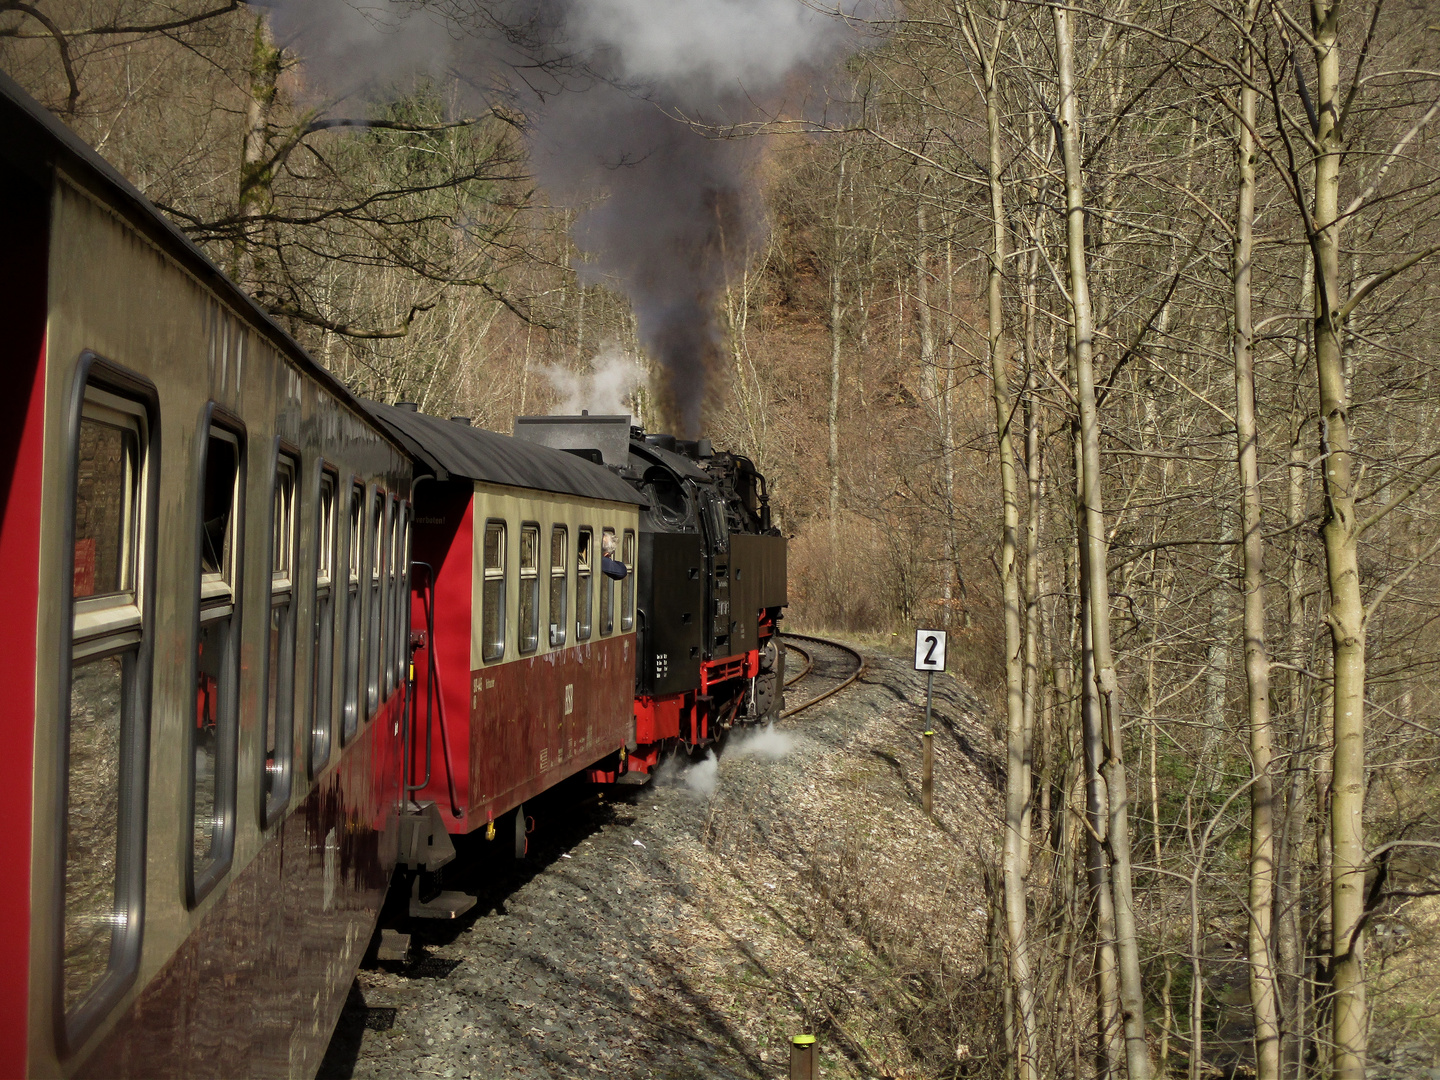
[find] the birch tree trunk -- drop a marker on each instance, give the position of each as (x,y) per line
(929,380)
(836,314)
(256,169)
(1132,1005)
(1291,952)
(1018,734)
(1257,657)
(1341,536)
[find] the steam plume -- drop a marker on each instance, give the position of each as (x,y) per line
(603,82)
(605,390)
(765,742)
(704,776)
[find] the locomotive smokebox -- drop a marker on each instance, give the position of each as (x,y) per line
(610,435)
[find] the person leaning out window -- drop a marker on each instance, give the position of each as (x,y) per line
(609,565)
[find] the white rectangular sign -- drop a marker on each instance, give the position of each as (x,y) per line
(929,650)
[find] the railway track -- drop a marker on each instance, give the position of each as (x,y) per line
(828,668)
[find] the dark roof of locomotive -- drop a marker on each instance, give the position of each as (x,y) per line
(33,141)
(452,449)
(674,461)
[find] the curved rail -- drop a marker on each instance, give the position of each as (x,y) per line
(859,670)
(809,664)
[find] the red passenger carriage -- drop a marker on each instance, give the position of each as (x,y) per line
(527,667)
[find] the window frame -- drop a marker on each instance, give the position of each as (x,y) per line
(373,652)
(607,587)
(493,650)
(557,625)
(525,646)
(628,548)
(401,644)
(584,574)
(387,658)
(352,667)
(275,796)
(323,599)
(217,599)
(72,1027)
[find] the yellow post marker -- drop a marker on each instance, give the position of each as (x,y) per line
(802,1058)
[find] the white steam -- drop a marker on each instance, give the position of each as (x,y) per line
(707,48)
(765,742)
(704,776)
(605,390)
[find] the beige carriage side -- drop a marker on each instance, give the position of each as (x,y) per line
(517,507)
(115,293)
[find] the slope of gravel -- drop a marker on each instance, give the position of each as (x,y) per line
(688,928)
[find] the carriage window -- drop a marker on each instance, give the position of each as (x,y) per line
(280,670)
(492,603)
(529,627)
(627,587)
(607,586)
(217,667)
(107,483)
(582,585)
(222,456)
(351,717)
(377,606)
(324,653)
(559,573)
(108,710)
(392,599)
(402,597)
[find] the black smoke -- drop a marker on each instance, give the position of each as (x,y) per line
(631,107)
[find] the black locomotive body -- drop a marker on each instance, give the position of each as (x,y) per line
(711,580)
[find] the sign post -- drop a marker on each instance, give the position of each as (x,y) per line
(929,658)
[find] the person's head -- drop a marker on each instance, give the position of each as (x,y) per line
(607,545)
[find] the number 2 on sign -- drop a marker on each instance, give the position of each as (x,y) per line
(929,650)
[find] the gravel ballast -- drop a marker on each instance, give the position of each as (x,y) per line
(688,928)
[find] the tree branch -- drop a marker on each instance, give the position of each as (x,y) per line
(345,329)
(61,43)
(120,28)
(1373,282)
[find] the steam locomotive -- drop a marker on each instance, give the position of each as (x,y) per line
(266,646)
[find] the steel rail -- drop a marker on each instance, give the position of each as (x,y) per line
(809,664)
(859,671)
